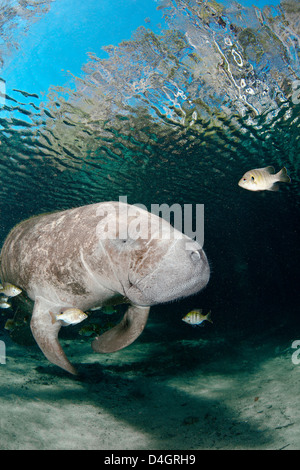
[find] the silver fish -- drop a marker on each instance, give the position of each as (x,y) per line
(71,316)
(9,290)
(261,179)
(5,305)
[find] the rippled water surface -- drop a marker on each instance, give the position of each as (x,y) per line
(162,102)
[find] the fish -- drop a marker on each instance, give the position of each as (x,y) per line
(261,179)
(14,322)
(109,309)
(195,317)
(10,324)
(89,330)
(71,316)
(9,290)
(4,304)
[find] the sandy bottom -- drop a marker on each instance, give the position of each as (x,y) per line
(158,394)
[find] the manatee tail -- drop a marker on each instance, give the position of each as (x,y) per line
(45,331)
(283,176)
(124,333)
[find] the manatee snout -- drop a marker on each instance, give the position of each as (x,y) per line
(201,266)
(194,269)
(182,271)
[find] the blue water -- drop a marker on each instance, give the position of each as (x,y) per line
(164,102)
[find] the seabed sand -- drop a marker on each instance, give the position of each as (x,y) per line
(158,394)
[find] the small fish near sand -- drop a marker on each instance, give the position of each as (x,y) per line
(196,317)
(264,179)
(71,316)
(9,290)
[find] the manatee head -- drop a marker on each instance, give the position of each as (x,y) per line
(150,261)
(181,270)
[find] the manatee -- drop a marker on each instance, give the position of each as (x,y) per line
(99,254)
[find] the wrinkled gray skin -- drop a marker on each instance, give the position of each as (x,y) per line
(81,258)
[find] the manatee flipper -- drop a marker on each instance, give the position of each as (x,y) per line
(124,333)
(45,330)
